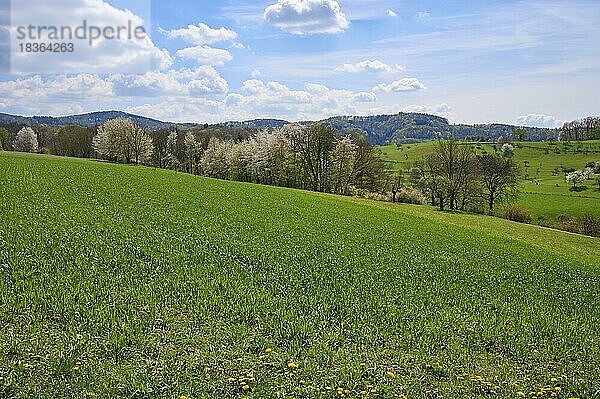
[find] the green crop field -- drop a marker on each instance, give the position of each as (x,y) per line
(131,282)
(544,190)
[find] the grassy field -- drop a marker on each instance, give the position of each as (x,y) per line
(129,282)
(544,191)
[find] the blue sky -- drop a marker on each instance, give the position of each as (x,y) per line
(525,62)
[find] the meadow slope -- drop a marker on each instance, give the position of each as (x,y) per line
(544,191)
(132,282)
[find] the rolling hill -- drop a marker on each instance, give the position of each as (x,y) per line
(379,129)
(121,281)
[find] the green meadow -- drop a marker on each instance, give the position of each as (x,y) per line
(131,282)
(544,191)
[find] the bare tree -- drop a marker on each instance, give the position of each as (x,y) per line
(499,178)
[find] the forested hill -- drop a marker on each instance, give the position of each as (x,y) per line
(86,120)
(382,129)
(379,129)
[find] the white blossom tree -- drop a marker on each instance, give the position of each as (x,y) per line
(214,161)
(342,163)
(172,160)
(508,151)
(193,153)
(121,139)
(575,178)
(26,140)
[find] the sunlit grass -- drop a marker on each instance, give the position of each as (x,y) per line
(120,281)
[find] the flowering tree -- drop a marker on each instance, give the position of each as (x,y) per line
(508,150)
(123,140)
(26,140)
(575,178)
(172,160)
(193,153)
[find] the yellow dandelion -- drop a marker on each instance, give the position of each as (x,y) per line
(246,387)
(521,394)
(557,389)
(553,379)
(292,365)
(391,374)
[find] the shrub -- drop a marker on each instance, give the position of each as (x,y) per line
(568,223)
(410,195)
(546,222)
(379,197)
(590,226)
(517,214)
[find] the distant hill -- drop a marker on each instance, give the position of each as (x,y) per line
(383,129)
(86,120)
(378,129)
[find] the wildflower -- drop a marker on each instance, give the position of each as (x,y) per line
(268,350)
(391,374)
(521,394)
(553,379)
(292,365)
(557,389)
(246,387)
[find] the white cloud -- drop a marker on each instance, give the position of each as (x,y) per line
(123,55)
(67,94)
(391,13)
(370,66)
(316,88)
(538,120)
(256,73)
(423,15)
(440,109)
(259,99)
(405,84)
(301,17)
(205,55)
(201,34)
(365,97)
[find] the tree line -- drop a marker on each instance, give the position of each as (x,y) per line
(453,177)
(583,129)
(297,156)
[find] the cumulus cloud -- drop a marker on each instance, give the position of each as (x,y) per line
(370,66)
(301,17)
(201,34)
(258,98)
(205,55)
(405,84)
(538,120)
(123,55)
(439,109)
(66,94)
(423,15)
(391,13)
(365,97)
(186,82)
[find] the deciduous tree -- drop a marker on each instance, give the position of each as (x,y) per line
(26,140)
